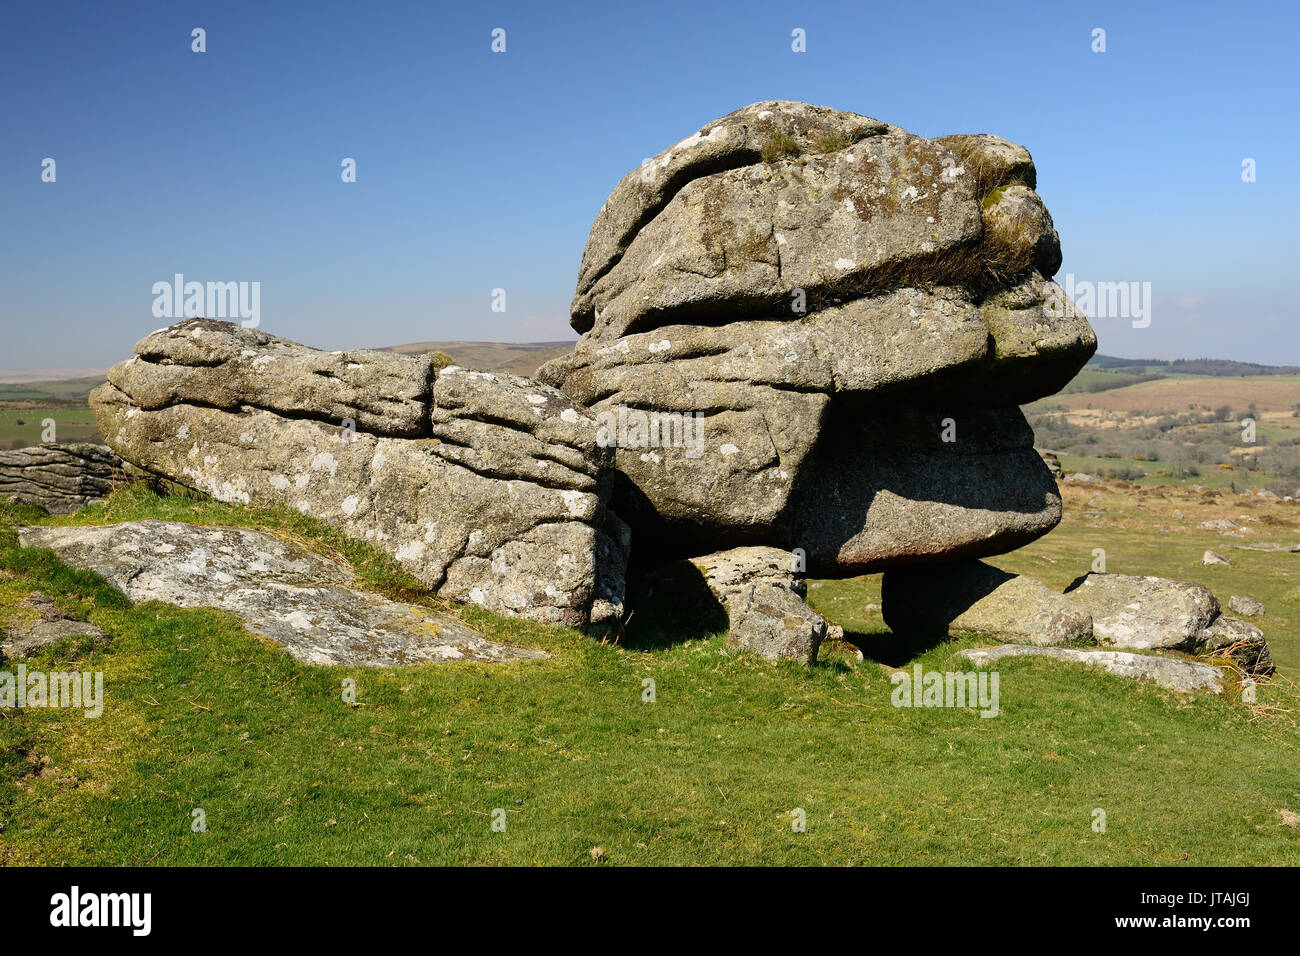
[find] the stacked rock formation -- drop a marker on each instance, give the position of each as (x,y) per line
(854,313)
(804,332)
(487,487)
(59,478)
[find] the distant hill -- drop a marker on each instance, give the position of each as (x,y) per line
(62,390)
(520,358)
(1199,366)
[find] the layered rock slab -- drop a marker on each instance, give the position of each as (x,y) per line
(61,478)
(1168,672)
(500,502)
(299,599)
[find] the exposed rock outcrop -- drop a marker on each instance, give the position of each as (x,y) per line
(299,599)
(488,487)
(59,478)
(846,315)
(1169,672)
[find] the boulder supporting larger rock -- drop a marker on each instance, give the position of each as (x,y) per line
(764,601)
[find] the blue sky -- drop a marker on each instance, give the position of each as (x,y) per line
(478,171)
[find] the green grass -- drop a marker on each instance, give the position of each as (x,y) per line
(780,145)
(1209,475)
(200,714)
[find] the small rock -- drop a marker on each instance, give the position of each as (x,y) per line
(1241,604)
(1239,640)
(1222,525)
(27,640)
(1213,557)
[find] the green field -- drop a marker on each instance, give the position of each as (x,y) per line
(20,427)
(201,715)
(64,389)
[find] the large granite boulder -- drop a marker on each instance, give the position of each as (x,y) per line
(301,600)
(489,488)
(806,328)
(59,478)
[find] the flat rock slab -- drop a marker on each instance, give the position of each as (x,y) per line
(1168,672)
(299,599)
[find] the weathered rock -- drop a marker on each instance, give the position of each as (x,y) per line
(736,140)
(1241,604)
(1169,672)
(1053,463)
(1213,557)
(775,623)
(764,603)
(223,365)
(502,504)
(59,478)
(854,287)
(1144,612)
(29,638)
(1240,640)
(281,591)
(887,490)
(972,597)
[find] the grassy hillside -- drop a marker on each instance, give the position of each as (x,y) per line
(202,715)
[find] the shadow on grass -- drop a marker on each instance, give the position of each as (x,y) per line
(669,604)
(893,650)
